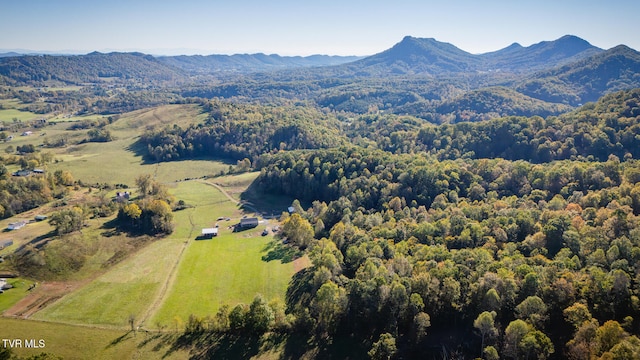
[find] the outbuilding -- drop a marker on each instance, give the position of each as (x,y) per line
(17,225)
(246,223)
(209,233)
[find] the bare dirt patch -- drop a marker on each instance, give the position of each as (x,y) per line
(301,263)
(40,297)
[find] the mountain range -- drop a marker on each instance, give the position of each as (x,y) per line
(418,76)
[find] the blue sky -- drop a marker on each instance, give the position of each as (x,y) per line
(307,27)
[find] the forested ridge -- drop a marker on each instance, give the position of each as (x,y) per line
(594,131)
(238,131)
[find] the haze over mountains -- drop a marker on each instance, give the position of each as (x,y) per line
(417,76)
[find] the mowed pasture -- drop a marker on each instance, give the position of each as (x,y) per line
(82,342)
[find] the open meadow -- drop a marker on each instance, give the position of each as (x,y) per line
(10,110)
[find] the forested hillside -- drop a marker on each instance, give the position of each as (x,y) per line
(518,235)
(486,257)
(244,131)
(93,67)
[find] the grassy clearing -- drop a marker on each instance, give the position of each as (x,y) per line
(7,115)
(72,118)
(225,270)
(119,161)
(228,269)
(79,342)
(114,163)
(11,110)
(126,289)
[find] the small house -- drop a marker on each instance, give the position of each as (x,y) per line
(247,223)
(17,225)
(209,233)
(122,196)
(22,173)
(38,171)
(5,243)
(41,217)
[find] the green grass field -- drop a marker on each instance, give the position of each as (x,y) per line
(11,110)
(126,289)
(225,270)
(81,342)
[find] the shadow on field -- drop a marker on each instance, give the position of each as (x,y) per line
(224,346)
(39,241)
(268,204)
(276,250)
(119,339)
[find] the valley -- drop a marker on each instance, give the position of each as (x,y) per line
(423,202)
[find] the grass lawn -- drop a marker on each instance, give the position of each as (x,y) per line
(12,296)
(118,161)
(80,342)
(11,110)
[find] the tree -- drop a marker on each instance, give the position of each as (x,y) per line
(143,182)
(260,317)
(67,221)
(328,305)
(298,230)
(421,321)
(492,301)
(133,211)
(485,323)
(63,177)
(537,343)
(490,353)
(383,349)
(608,335)
(237,317)
(513,334)
(534,310)
(577,314)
